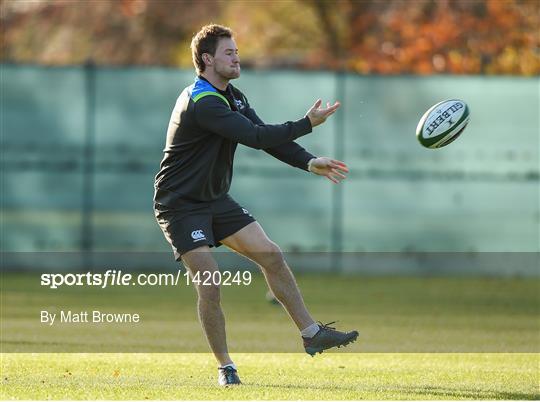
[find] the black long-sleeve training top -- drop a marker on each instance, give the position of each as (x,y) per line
(205,127)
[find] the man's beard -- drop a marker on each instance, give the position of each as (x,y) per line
(229,74)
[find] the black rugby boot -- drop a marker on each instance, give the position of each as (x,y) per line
(327,338)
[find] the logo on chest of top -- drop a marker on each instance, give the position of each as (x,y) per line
(239,104)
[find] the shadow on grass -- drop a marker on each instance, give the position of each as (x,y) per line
(443,392)
(468,393)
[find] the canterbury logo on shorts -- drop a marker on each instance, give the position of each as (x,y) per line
(197,235)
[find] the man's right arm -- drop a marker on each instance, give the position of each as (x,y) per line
(214,115)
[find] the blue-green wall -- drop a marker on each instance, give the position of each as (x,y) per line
(481,193)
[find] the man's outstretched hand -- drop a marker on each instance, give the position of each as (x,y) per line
(332,169)
(318,115)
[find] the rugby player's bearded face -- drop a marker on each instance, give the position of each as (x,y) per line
(226,60)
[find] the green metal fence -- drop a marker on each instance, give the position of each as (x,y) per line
(80,147)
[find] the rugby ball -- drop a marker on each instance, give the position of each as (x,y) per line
(442,123)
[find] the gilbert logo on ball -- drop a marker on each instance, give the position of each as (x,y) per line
(442,123)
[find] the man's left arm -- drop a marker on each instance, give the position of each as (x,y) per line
(294,155)
(291,152)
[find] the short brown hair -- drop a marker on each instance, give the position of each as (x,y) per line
(206,41)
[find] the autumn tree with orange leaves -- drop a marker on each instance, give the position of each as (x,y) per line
(368,37)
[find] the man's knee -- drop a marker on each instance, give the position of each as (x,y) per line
(202,265)
(271,257)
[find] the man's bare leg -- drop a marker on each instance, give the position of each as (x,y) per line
(208,305)
(252,242)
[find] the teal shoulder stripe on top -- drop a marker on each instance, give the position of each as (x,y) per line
(202,88)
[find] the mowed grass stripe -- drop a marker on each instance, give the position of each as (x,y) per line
(271,376)
(392,315)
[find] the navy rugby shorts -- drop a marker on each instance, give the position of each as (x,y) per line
(194,224)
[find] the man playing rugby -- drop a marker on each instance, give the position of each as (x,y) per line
(191,201)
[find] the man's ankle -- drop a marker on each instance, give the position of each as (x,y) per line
(231,364)
(310,331)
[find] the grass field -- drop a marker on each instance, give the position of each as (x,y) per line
(271,376)
(394,315)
